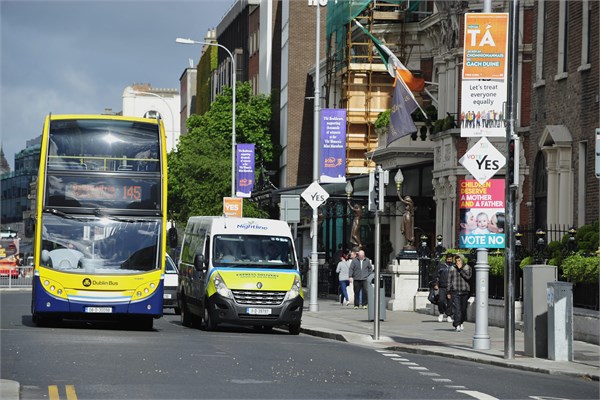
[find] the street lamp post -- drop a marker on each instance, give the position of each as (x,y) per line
(190,41)
(142,93)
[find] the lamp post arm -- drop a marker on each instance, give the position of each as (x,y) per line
(233,111)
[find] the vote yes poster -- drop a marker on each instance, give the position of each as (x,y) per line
(484,83)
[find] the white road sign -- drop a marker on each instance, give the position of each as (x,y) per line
(315,195)
(483,160)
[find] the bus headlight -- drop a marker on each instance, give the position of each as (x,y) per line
(221,287)
(294,291)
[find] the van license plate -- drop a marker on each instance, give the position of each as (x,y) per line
(102,310)
(258,311)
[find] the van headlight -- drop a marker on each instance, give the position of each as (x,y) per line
(221,287)
(294,291)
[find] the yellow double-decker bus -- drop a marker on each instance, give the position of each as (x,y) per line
(99,247)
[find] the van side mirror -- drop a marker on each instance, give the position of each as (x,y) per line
(200,263)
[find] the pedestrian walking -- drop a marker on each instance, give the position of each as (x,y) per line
(441,284)
(343,270)
(360,269)
(459,290)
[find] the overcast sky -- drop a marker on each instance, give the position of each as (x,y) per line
(78,56)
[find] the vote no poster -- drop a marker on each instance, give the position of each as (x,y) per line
(481,214)
(484,87)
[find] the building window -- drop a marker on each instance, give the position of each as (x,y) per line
(541,36)
(585,35)
(563,40)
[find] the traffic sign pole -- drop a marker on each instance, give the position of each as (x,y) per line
(510,190)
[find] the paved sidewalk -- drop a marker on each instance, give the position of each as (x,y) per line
(421,333)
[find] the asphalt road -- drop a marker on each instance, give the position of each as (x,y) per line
(82,360)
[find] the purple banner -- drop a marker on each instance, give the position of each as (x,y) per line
(333,145)
(245,170)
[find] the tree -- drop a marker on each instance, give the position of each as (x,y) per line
(200,168)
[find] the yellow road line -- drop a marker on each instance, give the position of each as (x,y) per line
(69,389)
(53,392)
(71,395)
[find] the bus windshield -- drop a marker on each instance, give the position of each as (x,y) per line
(103,145)
(253,250)
(94,245)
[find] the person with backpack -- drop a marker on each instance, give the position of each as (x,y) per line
(441,284)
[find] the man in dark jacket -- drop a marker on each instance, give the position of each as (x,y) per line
(441,284)
(360,269)
(459,290)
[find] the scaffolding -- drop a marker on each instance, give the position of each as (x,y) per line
(357,71)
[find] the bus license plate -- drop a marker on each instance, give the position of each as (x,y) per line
(258,311)
(98,310)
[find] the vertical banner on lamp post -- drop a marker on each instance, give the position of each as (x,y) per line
(485,46)
(333,145)
(484,75)
(245,170)
(481,214)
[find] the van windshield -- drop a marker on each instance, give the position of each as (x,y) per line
(253,250)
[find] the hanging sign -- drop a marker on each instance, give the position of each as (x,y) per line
(483,160)
(481,214)
(245,170)
(333,145)
(485,46)
(484,87)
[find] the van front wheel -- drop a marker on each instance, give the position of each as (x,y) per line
(209,323)
(186,317)
(294,329)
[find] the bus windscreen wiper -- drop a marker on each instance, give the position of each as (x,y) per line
(61,214)
(101,213)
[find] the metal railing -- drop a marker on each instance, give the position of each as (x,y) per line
(22,279)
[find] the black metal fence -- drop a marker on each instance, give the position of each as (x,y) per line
(529,242)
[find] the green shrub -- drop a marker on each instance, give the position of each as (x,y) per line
(587,238)
(383,119)
(526,261)
(579,269)
(496,263)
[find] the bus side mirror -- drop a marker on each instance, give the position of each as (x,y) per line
(200,263)
(172,237)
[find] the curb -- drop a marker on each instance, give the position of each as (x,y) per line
(368,340)
(9,390)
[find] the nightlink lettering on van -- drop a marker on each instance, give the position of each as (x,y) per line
(252,225)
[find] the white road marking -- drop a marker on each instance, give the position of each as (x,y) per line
(441,380)
(477,395)
(418,368)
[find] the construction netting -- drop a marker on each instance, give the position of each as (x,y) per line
(341,12)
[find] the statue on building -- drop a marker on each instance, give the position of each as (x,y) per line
(408,223)
(355,232)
